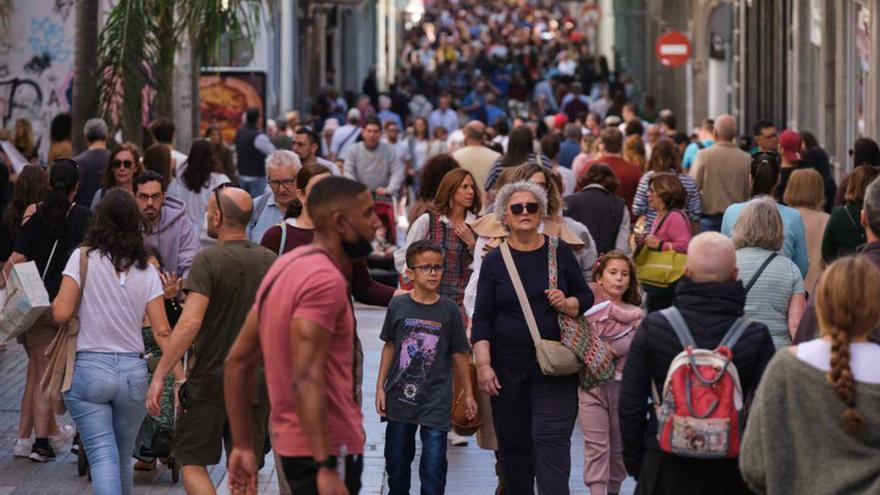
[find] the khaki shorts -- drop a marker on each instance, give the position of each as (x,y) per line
(203,430)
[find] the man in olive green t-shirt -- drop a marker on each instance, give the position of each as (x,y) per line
(221,288)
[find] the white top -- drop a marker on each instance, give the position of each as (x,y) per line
(196,203)
(113,305)
(177,160)
(863,358)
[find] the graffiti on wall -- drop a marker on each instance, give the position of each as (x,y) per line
(36,66)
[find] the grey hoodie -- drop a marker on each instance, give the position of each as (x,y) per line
(174,238)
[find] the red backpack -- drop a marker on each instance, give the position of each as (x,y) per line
(701,412)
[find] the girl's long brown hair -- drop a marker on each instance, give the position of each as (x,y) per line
(632,295)
(846,304)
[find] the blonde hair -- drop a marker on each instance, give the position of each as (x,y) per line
(805,188)
(634,152)
(759,225)
(846,306)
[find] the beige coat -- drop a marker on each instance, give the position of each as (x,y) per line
(814,229)
(722,173)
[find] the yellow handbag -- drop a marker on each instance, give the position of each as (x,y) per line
(659,268)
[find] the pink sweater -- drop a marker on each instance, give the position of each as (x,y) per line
(616,325)
(675,231)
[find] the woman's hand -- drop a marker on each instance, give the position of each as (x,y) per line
(464,232)
(652,241)
(487,381)
(556,298)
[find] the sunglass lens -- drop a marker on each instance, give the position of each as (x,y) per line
(532,207)
(516,209)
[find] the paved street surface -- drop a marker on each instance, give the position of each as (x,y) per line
(471,470)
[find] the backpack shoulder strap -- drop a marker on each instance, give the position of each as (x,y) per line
(760,271)
(674,317)
(283,226)
(259,206)
(736,331)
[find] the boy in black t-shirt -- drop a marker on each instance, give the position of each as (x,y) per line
(424,337)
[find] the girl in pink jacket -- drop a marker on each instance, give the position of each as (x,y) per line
(615,317)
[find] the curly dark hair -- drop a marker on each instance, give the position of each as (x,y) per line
(31,187)
(432,173)
(117,229)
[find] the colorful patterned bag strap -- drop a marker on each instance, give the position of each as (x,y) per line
(552,261)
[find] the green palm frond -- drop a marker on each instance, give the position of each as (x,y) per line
(210,20)
(126,53)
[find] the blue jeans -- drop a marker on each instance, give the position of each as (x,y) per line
(106,401)
(400,450)
(255,186)
(711,223)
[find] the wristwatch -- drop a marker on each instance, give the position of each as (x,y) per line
(328,463)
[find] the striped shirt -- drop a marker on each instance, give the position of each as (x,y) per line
(496,169)
(767,301)
(693,205)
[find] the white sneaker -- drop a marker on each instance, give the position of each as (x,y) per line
(23,447)
(65,434)
(457,440)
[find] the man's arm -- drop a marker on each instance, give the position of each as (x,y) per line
(238,384)
(264,144)
(182,337)
(309,351)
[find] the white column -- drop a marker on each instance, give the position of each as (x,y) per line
(286,65)
(381,44)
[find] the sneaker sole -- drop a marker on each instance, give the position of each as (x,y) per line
(39,458)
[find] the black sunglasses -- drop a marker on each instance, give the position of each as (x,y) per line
(122,164)
(517,209)
(217,197)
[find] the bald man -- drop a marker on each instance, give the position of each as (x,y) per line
(721,173)
(710,299)
(475,157)
(221,289)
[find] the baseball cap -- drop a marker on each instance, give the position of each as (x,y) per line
(790,142)
(64,174)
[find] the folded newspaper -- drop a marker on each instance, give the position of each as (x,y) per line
(26,300)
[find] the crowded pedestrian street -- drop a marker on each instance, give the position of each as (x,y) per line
(488,247)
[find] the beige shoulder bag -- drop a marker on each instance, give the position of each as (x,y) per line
(554,358)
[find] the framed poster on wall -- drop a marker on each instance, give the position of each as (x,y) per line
(224,95)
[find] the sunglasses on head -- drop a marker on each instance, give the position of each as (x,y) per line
(217,197)
(517,209)
(122,164)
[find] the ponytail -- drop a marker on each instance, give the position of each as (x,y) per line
(52,212)
(765,173)
(841,378)
(294,209)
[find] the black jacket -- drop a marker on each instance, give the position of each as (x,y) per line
(709,309)
(808,328)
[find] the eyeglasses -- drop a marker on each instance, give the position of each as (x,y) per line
(217,197)
(517,209)
(148,198)
(122,164)
(427,269)
(286,183)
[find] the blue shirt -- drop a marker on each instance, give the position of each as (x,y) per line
(269,216)
(386,115)
(794,246)
(567,151)
(493,112)
(690,153)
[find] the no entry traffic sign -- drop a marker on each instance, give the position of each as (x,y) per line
(673,49)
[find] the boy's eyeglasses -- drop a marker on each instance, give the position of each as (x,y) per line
(518,209)
(427,269)
(217,197)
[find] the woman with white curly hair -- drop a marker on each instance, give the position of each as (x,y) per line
(533,414)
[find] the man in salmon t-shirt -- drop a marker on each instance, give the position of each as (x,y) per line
(303,323)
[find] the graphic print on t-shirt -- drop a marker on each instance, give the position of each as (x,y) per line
(418,353)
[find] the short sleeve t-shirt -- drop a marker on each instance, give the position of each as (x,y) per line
(228,274)
(425,336)
(36,246)
(113,304)
(768,299)
(307,284)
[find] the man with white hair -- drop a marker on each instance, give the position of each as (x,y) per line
(345,136)
(721,173)
(269,208)
(709,300)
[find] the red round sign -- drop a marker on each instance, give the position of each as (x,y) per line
(673,49)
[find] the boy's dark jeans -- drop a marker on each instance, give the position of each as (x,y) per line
(302,477)
(400,450)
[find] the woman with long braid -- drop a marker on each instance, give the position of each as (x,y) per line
(819,402)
